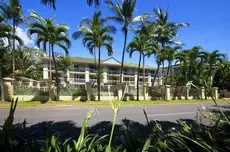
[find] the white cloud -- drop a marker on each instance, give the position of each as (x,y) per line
(23,35)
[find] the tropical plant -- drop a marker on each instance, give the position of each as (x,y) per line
(124,14)
(222,76)
(96,34)
(64,64)
(140,44)
(212,59)
(182,59)
(170,55)
(13,11)
(5,37)
(55,35)
(28,63)
(165,31)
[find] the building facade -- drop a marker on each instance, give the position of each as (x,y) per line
(85,70)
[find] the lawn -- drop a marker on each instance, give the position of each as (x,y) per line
(102,103)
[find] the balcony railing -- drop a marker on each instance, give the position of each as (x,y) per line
(113,72)
(129,73)
(92,70)
(129,82)
(92,80)
(113,81)
(80,69)
(77,80)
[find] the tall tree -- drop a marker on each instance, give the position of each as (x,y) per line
(139,44)
(165,31)
(96,34)
(182,58)
(170,55)
(6,35)
(212,59)
(124,14)
(55,35)
(194,62)
(13,11)
(64,64)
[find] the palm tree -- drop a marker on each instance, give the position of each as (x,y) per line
(64,65)
(96,34)
(165,31)
(13,11)
(55,35)
(124,14)
(212,59)
(52,3)
(182,58)
(6,35)
(194,62)
(141,45)
(170,54)
(28,63)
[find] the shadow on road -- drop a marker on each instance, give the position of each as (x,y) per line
(66,129)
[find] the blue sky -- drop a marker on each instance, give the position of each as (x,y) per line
(209,22)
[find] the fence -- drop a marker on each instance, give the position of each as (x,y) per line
(39,90)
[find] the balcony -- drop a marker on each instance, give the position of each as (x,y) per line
(128,73)
(80,69)
(129,82)
(77,80)
(93,80)
(113,81)
(113,72)
(93,70)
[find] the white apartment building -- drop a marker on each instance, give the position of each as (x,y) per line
(84,70)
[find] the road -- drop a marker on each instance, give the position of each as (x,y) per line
(169,113)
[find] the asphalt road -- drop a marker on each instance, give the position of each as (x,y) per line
(169,113)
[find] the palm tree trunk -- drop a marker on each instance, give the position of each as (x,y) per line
(50,73)
(14,32)
(138,75)
(190,71)
(99,74)
(95,58)
(143,75)
(123,54)
(171,75)
(56,73)
(2,86)
(166,78)
(154,79)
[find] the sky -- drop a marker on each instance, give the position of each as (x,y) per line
(209,23)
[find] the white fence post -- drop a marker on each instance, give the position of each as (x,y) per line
(202,93)
(8,88)
(168,93)
(215,93)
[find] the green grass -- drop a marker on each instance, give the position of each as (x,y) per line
(102,103)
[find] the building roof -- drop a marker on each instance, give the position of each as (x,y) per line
(110,61)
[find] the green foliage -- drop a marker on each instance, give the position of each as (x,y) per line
(25,90)
(71,90)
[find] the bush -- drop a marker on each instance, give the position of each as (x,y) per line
(71,90)
(25,90)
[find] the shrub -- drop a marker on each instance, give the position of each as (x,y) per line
(71,90)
